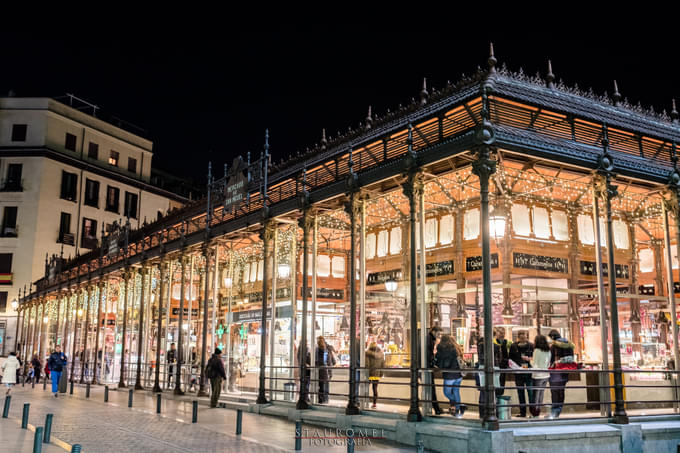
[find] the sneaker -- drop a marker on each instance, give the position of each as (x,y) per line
(461,410)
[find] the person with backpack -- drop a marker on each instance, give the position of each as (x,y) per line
(57,363)
(561,358)
(214,371)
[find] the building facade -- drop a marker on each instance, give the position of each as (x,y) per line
(500,202)
(66,177)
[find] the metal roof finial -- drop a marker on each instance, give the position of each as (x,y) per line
(674,113)
(492,60)
(550,78)
(616,96)
(369,118)
(324,142)
(423,93)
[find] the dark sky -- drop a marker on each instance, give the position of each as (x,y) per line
(211,97)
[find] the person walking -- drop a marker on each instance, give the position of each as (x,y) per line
(540,360)
(171,359)
(375,360)
(503,364)
(37,367)
(433,338)
(57,363)
(214,370)
(446,358)
(561,358)
(521,353)
(9,371)
(324,359)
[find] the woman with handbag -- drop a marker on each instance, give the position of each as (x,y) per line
(446,358)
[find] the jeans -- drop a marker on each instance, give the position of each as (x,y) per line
(557,383)
(521,381)
(501,389)
(452,391)
(536,396)
(374,384)
(55,375)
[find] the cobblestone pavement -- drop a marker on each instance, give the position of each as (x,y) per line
(113,427)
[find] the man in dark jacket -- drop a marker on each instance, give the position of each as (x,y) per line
(171,358)
(57,363)
(504,346)
(521,353)
(215,371)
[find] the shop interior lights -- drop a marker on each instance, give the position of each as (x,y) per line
(391,285)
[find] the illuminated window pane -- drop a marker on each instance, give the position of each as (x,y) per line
(471,224)
(585,229)
(338,266)
(674,257)
(446,229)
(395,241)
(560,225)
(382,243)
(520,220)
(430,232)
(260,270)
(646,257)
(541,223)
(370,246)
(620,234)
(323,266)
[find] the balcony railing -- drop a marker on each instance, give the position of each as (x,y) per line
(88,242)
(12,185)
(9,232)
(66,239)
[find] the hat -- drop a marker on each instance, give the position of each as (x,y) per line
(218,351)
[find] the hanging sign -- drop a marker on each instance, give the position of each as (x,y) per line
(220,330)
(327,293)
(235,189)
(256,315)
(194,311)
(437,269)
(648,290)
(377,278)
(540,263)
(474,263)
(590,268)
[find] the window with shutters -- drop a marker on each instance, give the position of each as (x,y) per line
(69,186)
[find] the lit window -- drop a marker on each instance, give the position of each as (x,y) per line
(471,224)
(370,246)
(395,241)
(520,220)
(646,257)
(338,266)
(446,229)
(621,240)
(113,158)
(382,243)
(560,225)
(430,232)
(585,229)
(323,266)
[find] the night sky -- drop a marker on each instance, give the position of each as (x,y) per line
(211,97)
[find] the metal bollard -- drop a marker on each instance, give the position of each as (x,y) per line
(45,383)
(71,389)
(24,416)
(5,410)
(130,393)
(37,440)
(298,435)
(194,411)
(239,421)
(48,428)
(87,390)
(76,448)
(106,393)
(350,441)
(158,403)
(33,382)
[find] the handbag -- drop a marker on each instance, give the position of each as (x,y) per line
(462,365)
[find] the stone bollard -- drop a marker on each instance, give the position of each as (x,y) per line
(48,428)
(194,411)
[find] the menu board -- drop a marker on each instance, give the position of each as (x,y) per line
(540,263)
(377,278)
(440,268)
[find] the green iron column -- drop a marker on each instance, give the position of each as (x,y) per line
(159,327)
(126,282)
(266,235)
(140,330)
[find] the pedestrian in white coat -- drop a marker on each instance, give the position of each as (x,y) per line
(9,371)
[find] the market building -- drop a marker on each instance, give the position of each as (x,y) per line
(501,201)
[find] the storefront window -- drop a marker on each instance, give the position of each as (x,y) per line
(471,224)
(446,229)
(520,220)
(541,223)
(560,225)
(646,257)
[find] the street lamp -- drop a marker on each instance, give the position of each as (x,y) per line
(228,282)
(497,221)
(80,312)
(391,285)
(284,271)
(15,304)
(46,320)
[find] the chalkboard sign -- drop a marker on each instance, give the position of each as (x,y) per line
(440,268)
(474,263)
(590,268)
(327,293)
(540,263)
(648,290)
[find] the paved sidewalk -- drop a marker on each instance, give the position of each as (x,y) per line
(13,439)
(113,427)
